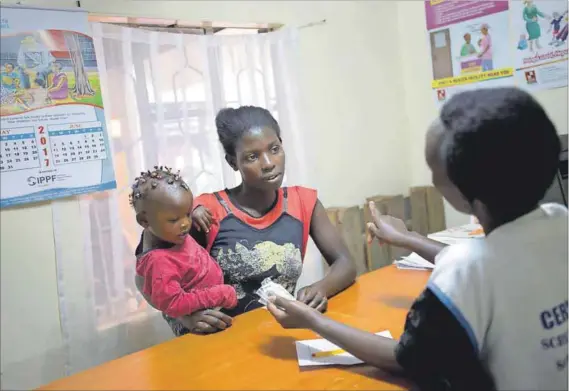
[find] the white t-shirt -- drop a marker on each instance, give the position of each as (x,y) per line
(509,292)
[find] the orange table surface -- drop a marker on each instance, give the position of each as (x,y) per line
(257,354)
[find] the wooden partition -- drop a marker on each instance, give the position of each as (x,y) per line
(422,211)
(350,224)
(427,210)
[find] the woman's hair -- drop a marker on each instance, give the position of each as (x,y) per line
(500,148)
(232,124)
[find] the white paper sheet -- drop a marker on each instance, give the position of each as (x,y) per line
(462,232)
(414,261)
(305,350)
(450,236)
(408,267)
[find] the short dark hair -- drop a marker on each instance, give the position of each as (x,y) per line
(150,180)
(500,148)
(233,123)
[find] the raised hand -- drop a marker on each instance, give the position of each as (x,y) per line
(387,229)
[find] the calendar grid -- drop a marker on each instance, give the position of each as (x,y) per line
(77,143)
(60,145)
(18,150)
(53,135)
(20,169)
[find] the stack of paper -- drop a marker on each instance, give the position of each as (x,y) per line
(316,352)
(449,236)
(414,262)
(458,234)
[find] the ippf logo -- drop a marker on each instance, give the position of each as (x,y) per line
(41,180)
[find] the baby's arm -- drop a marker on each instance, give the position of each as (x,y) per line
(162,285)
(171,299)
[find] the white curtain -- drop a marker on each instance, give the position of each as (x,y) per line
(161,93)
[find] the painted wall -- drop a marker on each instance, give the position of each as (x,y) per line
(365,79)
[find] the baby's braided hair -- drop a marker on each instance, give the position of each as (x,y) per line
(149,180)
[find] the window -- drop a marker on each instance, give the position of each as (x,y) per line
(166,89)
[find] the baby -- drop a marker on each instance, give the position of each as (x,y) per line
(176,275)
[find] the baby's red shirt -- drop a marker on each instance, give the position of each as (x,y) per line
(184,279)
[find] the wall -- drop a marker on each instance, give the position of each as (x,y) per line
(354,99)
(420,105)
(30,333)
(366,89)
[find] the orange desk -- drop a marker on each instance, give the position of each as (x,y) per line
(257,354)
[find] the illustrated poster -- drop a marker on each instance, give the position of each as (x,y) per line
(53,140)
(540,43)
(469,45)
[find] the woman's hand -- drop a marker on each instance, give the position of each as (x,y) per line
(292,314)
(314,296)
(387,229)
(327,238)
(206,322)
(202,219)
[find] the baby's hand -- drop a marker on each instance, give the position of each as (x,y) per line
(202,219)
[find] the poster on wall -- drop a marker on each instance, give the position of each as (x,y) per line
(53,140)
(540,45)
(469,45)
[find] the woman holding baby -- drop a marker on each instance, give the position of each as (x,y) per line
(260,230)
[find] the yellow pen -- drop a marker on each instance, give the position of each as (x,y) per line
(328,353)
(478,231)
